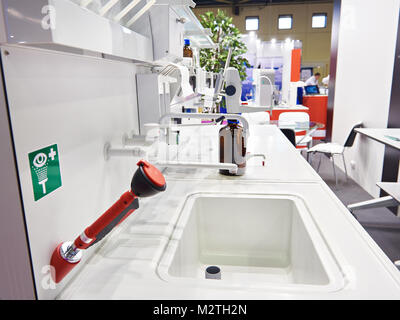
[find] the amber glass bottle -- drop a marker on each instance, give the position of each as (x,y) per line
(232,147)
(187,50)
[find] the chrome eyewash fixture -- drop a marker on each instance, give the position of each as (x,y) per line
(147,181)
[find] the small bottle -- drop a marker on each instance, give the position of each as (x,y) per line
(187,50)
(232,147)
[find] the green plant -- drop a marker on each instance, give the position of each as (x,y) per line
(225,35)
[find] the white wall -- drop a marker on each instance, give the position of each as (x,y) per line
(367,42)
(79,103)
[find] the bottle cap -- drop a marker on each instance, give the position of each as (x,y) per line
(187,42)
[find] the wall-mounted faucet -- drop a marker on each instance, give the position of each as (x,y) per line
(138,146)
(232,138)
(110,152)
(213,116)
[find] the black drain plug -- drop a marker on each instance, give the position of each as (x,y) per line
(213,272)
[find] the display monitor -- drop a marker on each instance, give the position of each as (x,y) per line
(311,90)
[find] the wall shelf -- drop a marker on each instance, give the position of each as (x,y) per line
(199,37)
(63,23)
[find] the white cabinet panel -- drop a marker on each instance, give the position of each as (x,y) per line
(78,103)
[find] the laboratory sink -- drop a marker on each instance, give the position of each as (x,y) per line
(257,241)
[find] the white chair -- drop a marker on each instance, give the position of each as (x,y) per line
(332,149)
(302,141)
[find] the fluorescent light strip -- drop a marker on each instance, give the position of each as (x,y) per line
(126,10)
(140,13)
(107,7)
(85,3)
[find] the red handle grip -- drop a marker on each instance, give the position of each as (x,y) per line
(107,221)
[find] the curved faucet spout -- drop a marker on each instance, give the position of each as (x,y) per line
(213,116)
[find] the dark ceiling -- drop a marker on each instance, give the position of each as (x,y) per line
(242,3)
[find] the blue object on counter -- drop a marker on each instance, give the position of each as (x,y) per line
(247,90)
(187,42)
(300,95)
(392,138)
(189,110)
(222,106)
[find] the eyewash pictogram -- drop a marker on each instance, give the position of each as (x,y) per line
(45,171)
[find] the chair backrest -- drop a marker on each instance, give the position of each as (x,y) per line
(295,116)
(290,134)
(352,136)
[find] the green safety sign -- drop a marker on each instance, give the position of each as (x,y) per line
(45,171)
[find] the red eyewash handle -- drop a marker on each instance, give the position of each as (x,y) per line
(110,219)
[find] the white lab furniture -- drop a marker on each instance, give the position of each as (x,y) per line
(193,30)
(264,83)
(286,107)
(79,103)
(257,117)
(140,251)
(168,30)
(332,149)
(300,117)
(84,28)
(70,79)
(385,136)
(153,94)
(392,200)
(16,276)
(389,138)
(66,26)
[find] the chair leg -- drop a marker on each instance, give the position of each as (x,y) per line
(334,169)
(345,167)
(319,164)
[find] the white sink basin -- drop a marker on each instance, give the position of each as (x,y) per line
(258,241)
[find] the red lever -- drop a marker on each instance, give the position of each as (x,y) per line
(107,221)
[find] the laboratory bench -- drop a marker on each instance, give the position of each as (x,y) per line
(203,218)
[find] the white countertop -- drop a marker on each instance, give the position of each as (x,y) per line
(380,135)
(287,107)
(391,188)
(279,107)
(125,265)
(264,139)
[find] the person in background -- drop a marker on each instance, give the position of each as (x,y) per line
(313,81)
(325,81)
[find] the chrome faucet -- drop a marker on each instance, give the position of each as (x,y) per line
(214,116)
(232,149)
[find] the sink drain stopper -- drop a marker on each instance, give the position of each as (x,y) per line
(213,272)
